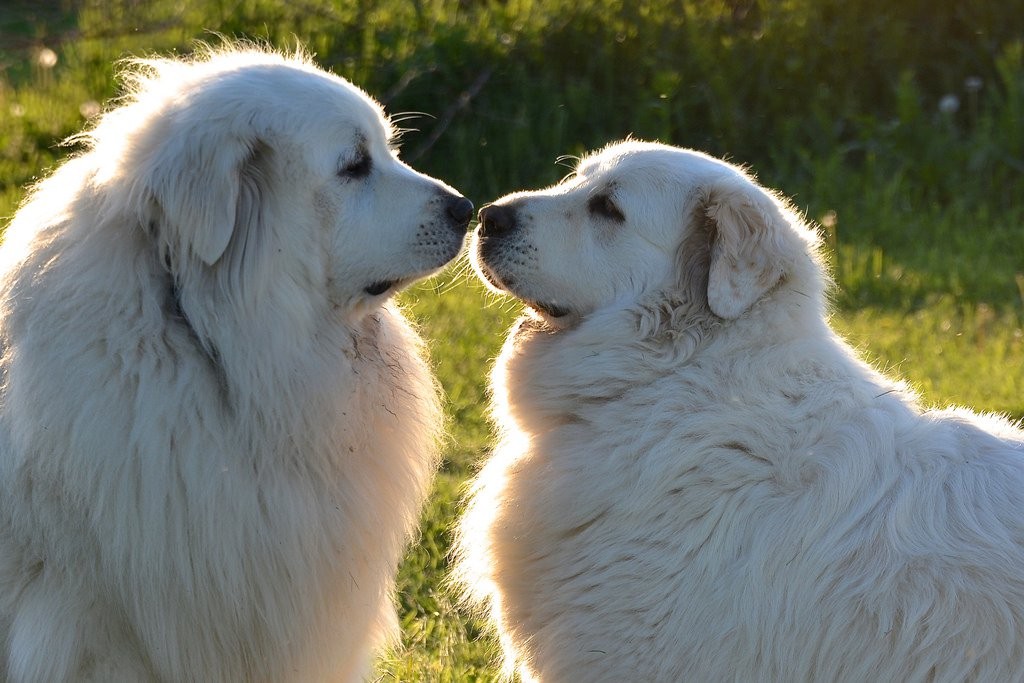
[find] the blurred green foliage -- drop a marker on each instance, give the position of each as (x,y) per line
(776,84)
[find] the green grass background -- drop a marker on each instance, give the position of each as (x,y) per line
(897,126)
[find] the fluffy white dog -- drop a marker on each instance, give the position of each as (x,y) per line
(697,479)
(216,432)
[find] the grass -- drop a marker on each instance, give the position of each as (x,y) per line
(921,205)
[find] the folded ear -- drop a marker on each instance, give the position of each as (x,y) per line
(197,180)
(748,229)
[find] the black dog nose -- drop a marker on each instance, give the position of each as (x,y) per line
(496,220)
(460,210)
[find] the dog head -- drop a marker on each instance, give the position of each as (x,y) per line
(634,220)
(259,170)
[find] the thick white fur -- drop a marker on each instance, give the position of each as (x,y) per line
(698,480)
(214,443)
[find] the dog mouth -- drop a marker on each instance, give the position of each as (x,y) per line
(434,257)
(435,264)
(547,309)
(381,287)
(509,284)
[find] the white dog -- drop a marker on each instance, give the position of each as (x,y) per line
(216,433)
(697,479)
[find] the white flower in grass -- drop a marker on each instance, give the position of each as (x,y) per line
(949,104)
(46,58)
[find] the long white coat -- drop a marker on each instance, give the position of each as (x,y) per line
(215,433)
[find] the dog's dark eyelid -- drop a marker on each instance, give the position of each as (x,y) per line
(359,167)
(603,205)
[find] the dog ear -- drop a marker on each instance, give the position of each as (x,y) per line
(245,255)
(202,184)
(746,227)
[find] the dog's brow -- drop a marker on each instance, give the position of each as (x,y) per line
(603,187)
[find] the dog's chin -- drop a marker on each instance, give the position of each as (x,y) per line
(377,294)
(556,317)
(553,315)
(389,286)
(382,287)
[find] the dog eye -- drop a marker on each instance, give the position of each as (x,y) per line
(359,167)
(603,205)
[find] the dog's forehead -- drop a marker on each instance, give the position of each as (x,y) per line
(350,111)
(623,158)
(307,96)
(647,163)
(360,124)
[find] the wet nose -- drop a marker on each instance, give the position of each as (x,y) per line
(459,210)
(496,220)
